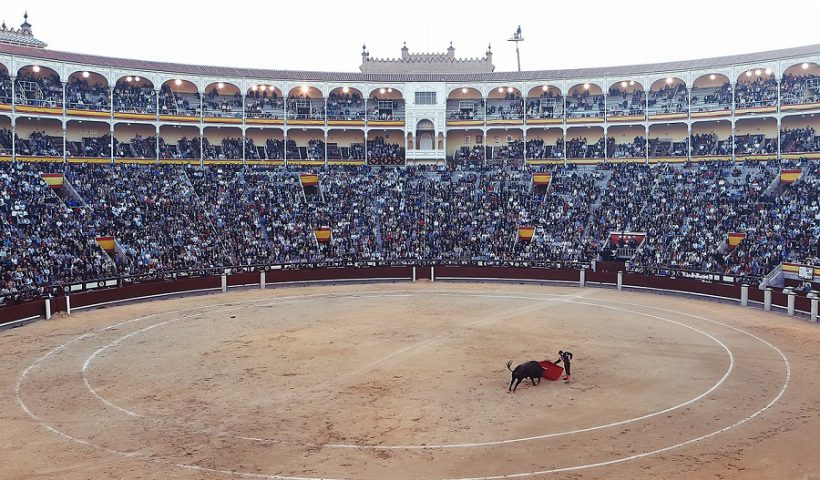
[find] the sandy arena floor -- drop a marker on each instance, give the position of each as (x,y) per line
(408,381)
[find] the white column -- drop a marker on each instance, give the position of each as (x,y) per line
(224,283)
(744,295)
(262,280)
(414,274)
(432,274)
(814,301)
(767,299)
(68,305)
(582,278)
(620,280)
(48,308)
(790,302)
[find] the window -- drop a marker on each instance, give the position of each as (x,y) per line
(425,98)
(467,139)
(479,139)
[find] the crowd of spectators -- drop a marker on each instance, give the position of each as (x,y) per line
(39,90)
(584,104)
(709,99)
(381,152)
(797,89)
(134,99)
(799,140)
(635,149)
(538,149)
(623,103)
(217,105)
(345,106)
(5,86)
(709,144)
(172,217)
(672,98)
(81,95)
(756,93)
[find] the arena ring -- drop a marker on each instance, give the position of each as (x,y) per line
(407,380)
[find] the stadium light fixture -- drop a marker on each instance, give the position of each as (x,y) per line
(220,85)
(86,74)
(768,71)
(305,88)
(632,82)
(545,88)
(749,73)
(254,87)
(669,80)
(586,86)
(500,89)
(712,76)
(36,68)
(177,82)
(137,78)
(263,88)
(805,66)
(757,72)
(464,90)
(128,79)
(389,90)
(623,84)
(510,89)
(382,90)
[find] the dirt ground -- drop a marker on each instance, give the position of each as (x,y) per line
(408,381)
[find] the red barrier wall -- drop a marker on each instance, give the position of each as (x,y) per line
(36,307)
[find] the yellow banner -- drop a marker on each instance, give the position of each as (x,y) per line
(309,180)
(541,178)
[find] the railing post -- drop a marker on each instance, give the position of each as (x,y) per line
(68,304)
(744,295)
(791,295)
(620,280)
(48,308)
(767,299)
(582,278)
(224,283)
(814,302)
(432,274)
(262,280)
(414,274)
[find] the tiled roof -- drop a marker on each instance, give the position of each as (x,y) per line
(232,72)
(7,37)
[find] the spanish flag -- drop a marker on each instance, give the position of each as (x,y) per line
(735,238)
(790,176)
(541,178)
(309,180)
(525,234)
(107,243)
(323,234)
(54,180)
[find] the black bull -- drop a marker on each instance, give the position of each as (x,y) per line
(531,370)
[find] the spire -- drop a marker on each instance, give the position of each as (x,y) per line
(451,52)
(405,52)
(25,28)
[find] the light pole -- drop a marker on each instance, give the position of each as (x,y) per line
(517,37)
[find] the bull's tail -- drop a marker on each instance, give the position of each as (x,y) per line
(509,363)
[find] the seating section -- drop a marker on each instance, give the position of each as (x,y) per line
(168,218)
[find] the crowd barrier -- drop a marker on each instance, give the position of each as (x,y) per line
(122,290)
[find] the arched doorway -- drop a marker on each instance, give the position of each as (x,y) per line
(425,131)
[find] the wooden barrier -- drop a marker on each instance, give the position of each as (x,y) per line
(148,289)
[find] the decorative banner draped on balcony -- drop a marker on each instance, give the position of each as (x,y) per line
(790,175)
(309,180)
(107,243)
(525,234)
(323,234)
(54,180)
(734,238)
(628,237)
(541,178)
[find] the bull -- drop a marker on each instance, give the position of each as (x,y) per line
(531,370)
